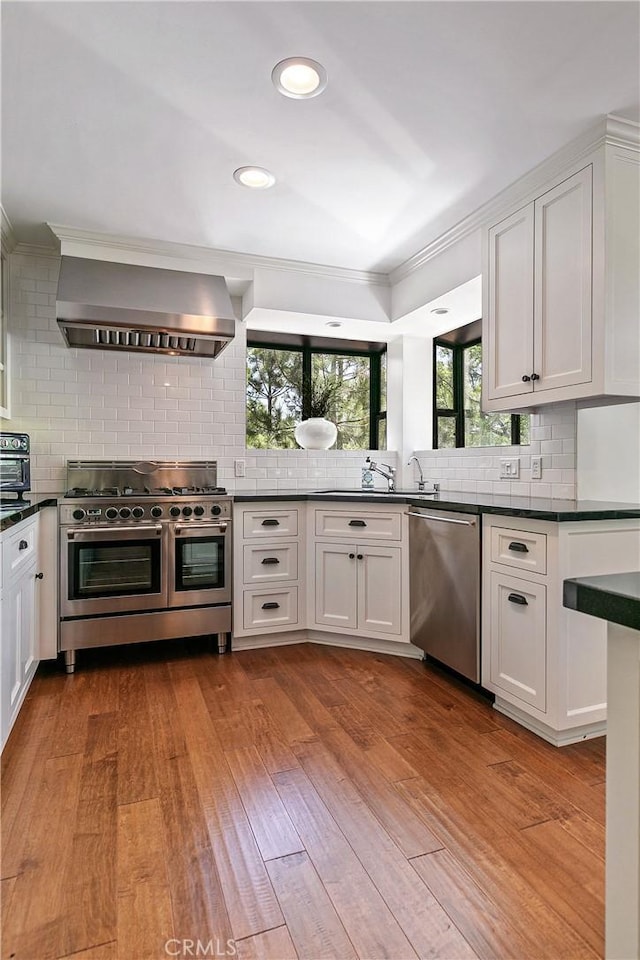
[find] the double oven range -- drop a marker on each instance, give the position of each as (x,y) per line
(145,554)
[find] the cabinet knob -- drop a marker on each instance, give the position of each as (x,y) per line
(360,556)
(352,556)
(39,576)
(526,379)
(23,545)
(535,376)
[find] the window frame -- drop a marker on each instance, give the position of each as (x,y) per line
(308,346)
(457,411)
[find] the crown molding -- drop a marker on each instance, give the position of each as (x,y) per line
(612,130)
(7,235)
(240,265)
(37,250)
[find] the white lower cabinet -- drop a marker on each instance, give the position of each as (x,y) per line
(268,571)
(311,579)
(545,664)
(518,638)
(358,587)
(19,619)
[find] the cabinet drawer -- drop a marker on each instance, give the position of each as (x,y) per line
(270,608)
(19,549)
(262,564)
(270,523)
(518,548)
(358,524)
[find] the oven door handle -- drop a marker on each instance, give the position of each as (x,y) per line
(222,526)
(99,533)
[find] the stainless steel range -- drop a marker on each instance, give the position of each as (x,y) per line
(145,554)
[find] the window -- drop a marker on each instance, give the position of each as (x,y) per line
(457,383)
(292,379)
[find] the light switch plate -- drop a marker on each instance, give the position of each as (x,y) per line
(536,468)
(239,467)
(509,468)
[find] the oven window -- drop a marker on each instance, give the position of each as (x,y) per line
(12,473)
(200,563)
(117,568)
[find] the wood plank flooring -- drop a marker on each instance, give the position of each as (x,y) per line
(300,801)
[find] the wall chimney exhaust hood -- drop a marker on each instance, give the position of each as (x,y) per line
(121,306)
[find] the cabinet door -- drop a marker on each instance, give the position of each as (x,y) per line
(18,645)
(518,638)
(336,590)
(508,344)
(562,314)
(379,589)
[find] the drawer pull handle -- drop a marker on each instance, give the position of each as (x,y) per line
(23,545)
(518,547)
(357,523)
(270,523)
(39,576)
(272,605)
(270,560)
(518,598)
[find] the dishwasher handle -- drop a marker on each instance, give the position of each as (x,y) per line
(428,516)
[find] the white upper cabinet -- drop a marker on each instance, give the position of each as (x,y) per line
(508,335)
(562,292)
(561,286)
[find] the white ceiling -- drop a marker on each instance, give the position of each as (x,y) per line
(129,118)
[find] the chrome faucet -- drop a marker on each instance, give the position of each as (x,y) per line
(421,480)
(389,476)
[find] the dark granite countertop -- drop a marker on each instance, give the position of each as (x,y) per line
(612,596)
(536,508)
(11,515)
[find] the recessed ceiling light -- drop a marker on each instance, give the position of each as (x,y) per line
(299,78)
(440,310)
(333,323)
(255,177)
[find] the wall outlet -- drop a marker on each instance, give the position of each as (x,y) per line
(239,467)
(509,468)
(536,468)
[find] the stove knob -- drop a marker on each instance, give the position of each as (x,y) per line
(216,510)
(174,511)
(156,511)
(198,511)
(111,513)
(186,511)
(78,514)
(138,513)
(125,513)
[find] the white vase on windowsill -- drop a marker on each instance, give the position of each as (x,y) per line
(316,433)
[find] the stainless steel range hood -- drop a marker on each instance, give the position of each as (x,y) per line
(120,306)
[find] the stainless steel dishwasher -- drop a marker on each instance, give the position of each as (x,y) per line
(444,578)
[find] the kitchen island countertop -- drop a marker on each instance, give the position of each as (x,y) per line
(613,596)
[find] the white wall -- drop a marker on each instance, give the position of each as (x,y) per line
(98,404)
(609,453)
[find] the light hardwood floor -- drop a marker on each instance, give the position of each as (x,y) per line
(300,801)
